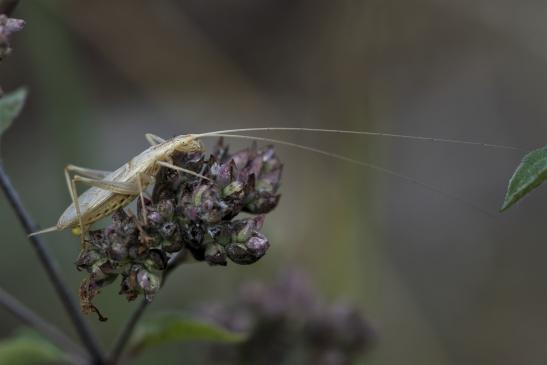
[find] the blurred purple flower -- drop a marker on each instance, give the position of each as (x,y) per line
(8,26)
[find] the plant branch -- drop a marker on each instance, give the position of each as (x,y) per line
(52,333)
(127,331)
(84,331)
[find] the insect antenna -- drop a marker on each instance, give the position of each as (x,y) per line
(356,162)
(363,133)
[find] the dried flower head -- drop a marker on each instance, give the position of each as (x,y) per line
(185,213)
(288,323)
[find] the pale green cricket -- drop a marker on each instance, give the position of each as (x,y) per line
(110,191)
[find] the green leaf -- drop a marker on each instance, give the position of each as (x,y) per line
(531,172)
(29,349)
(10,107)
(177,327)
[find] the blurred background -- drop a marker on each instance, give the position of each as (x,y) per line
(440,281)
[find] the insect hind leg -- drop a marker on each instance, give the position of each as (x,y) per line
(153,139)
(71,184)
(84,171)
(141,195)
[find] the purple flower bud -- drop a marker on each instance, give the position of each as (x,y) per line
(8,26)
(207,205)
(257,245)
(234,189)
(245,228)
(122,223)
(136,253)
(192,235)
(97,238)
(154,218)
(87,259)
(129,285)
(166,208)
(167,230)
(237,252)
(215,254)
(224,173)
(270,159)
(191,161)
(198,253)
(108,267)
(157,260)
(270,181)
(241,158)
(148,282)
(220,151)
(262,203)
(172,246)
(250,251)
(221,233)
(254,166)
(112,236)
(118,251)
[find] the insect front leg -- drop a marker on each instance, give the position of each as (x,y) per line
(84,171)
(141,194)
(90,173)
(180,169)
(71,184)
(153,139)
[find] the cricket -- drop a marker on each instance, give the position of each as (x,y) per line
(110,191)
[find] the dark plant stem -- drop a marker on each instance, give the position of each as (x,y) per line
(84,331)
(125,335)
(52,333)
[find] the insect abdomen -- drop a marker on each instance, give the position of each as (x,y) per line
(117,201)
(69,218)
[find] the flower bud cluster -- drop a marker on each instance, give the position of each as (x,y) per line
(186,214)
(8,26)
(288,323)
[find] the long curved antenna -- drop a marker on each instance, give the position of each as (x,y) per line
(357,162)
(362,133)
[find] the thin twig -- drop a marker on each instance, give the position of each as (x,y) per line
(84,331)
(127,331)
(52,333)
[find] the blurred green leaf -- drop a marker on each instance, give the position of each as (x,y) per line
(10,107)
(28,349)
(177,327)
(531,172)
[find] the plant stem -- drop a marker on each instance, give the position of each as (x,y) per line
(126,333)
(129,327)
(84,331)
(52,333)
